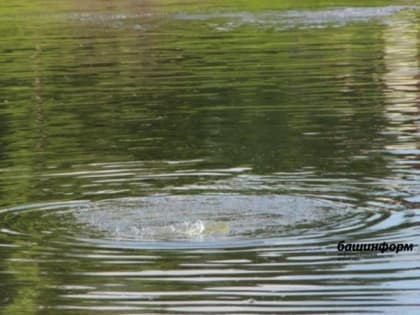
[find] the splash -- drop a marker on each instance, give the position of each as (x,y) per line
(203,217)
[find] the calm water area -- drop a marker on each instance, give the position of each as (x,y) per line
(186,157)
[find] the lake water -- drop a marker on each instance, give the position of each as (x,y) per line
(168,157)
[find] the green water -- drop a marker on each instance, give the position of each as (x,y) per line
(174,157)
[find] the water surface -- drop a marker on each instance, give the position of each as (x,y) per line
(176,158)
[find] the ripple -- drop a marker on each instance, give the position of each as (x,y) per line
(261,253)
(296,18)
(200,221)
(182,217)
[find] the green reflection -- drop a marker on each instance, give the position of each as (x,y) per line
(77,92)
(27,280)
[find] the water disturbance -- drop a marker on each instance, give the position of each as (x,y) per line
(180,158)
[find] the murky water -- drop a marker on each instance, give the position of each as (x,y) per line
(176,158)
